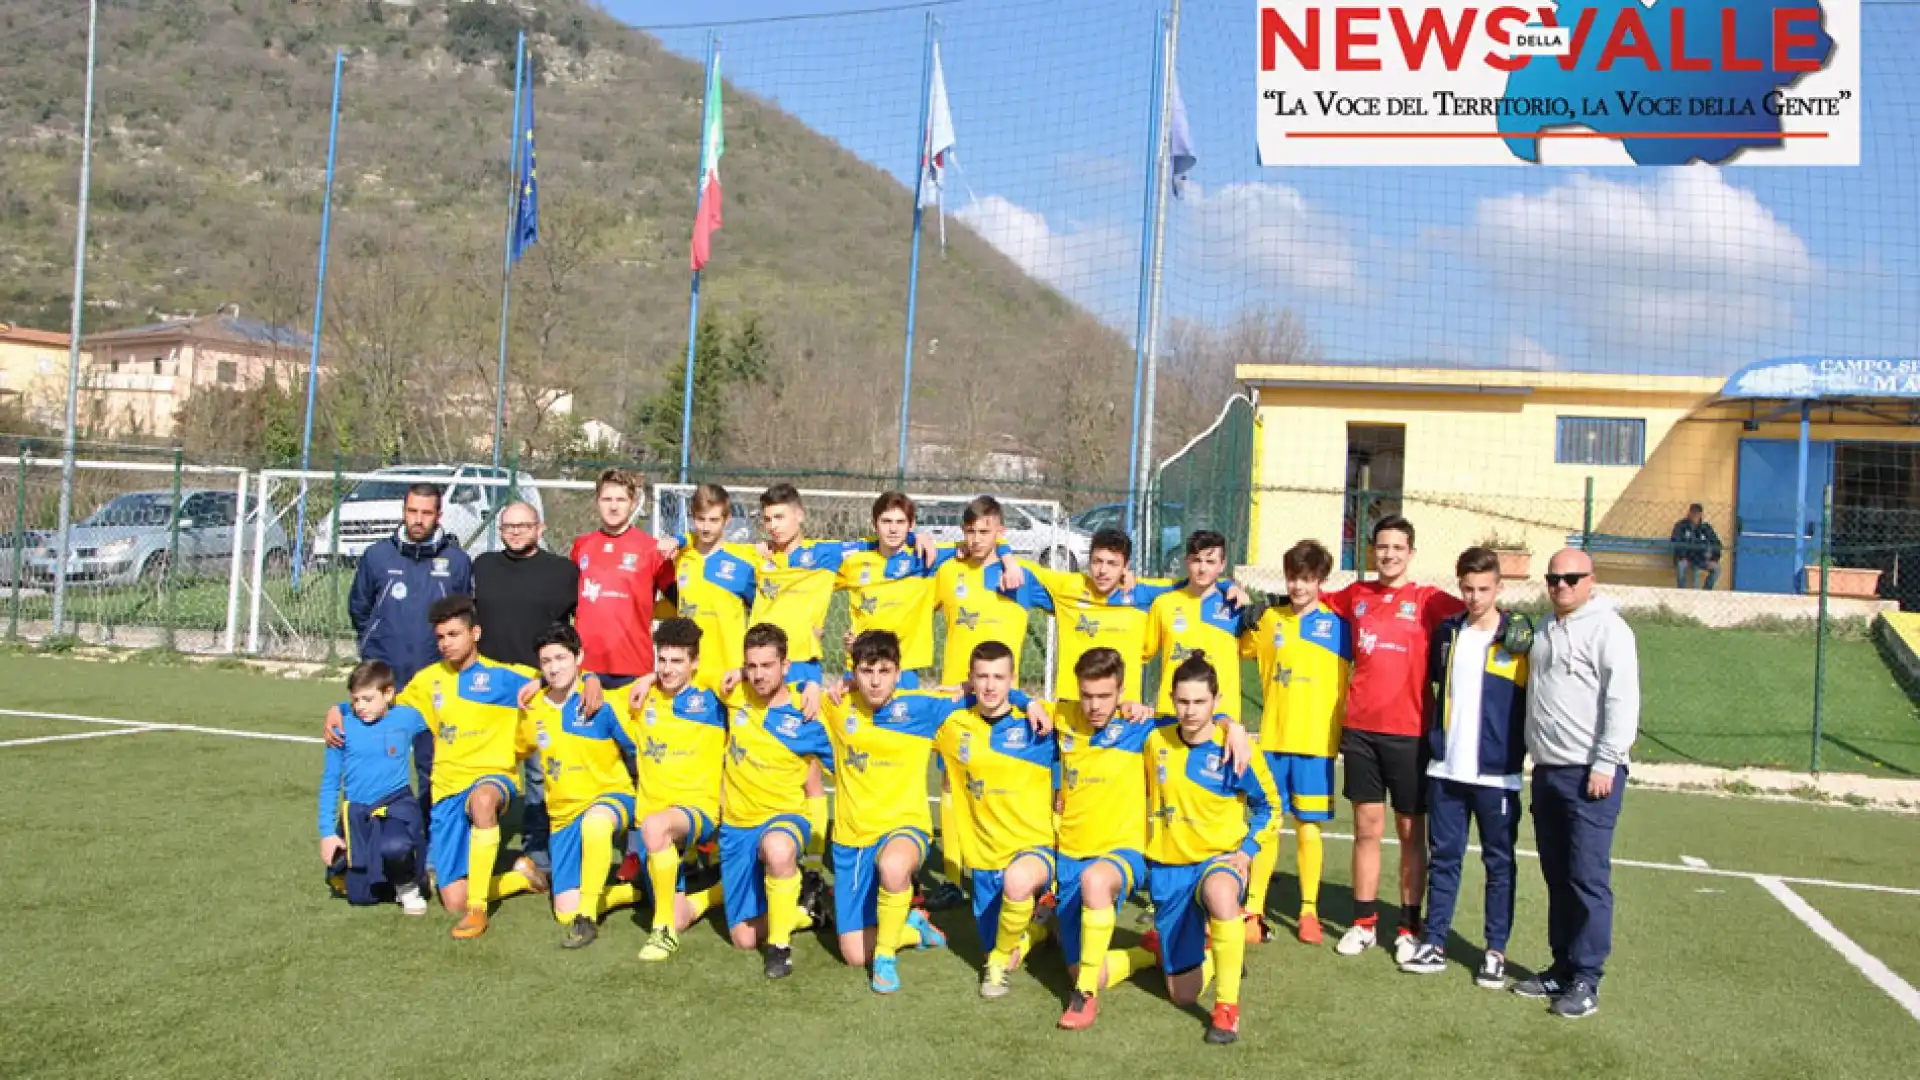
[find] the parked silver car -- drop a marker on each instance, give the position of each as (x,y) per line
(130,540)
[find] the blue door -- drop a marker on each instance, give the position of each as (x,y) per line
(1765,526)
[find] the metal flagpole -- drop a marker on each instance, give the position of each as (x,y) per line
(319,313)
(69,446)
(693,305)
(1160,166)
(913,262)
(506,258)
(1146,271)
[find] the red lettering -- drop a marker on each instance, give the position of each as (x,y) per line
(1345,37)
(1681,61)
(1273,28)
(1497,29)
(1730,58)
(1433,24)
(1618,48)
(1785,40)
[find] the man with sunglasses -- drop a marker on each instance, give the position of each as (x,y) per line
(1583,710)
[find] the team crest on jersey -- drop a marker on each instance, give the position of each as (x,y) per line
(724,570)
(442,567)
(629,560)
(1179,622)
(1408,611)
(1318,630)
(438,700)
(480,682)
(1279,637)
(652,715)
(959,590)
(853,723)
(1210,765)
(740,715)
(541,738)
(1360,609)
(789,725)
(399,590)
(897,711)
(966,748)
(805,558)
(1016,738)
(683,579)
(866,575)
(583,562)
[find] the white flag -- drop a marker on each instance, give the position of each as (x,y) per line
(933,156)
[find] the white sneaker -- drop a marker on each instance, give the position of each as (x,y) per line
(411,901)
(1405,945)
(1356,940)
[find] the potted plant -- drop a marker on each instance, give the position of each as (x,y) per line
(1516,562)
(1856,583)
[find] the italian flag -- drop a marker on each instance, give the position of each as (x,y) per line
(712,144)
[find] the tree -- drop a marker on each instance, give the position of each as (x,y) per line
(723,365)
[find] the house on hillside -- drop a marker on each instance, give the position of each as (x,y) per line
(33,372)
(136,380)
(934,451)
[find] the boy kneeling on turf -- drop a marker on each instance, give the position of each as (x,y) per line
(365,784)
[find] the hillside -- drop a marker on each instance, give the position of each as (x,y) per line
(211,143)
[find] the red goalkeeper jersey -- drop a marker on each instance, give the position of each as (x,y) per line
(619,576)
(1392,628)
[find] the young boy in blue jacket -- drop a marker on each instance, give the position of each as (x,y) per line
(1476,737)
(365,788)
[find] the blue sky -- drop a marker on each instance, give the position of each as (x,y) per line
(1693,270)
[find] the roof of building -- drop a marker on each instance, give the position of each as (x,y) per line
(228,328)
(1466,380)
(26,336)
(1825,378)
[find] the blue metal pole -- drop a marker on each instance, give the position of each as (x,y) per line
(1800,499)
(913,262)
(1146,259)
(693,305)
(319,314)
(514,157)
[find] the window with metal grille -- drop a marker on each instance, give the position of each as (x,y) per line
(1587,440)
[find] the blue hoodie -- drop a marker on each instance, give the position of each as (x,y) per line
(395,583)
(1503,699)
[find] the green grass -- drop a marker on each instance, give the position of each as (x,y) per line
(167,919)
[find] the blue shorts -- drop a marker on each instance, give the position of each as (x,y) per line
(1303,785)
(564,845)
(856,880)
(1066,889)
(743,885)
(447,837)
(986,893)
(1178,912)
(802,672)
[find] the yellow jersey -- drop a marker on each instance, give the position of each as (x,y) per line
(881,758)
(581,755)
(1200,807)
(716,591)
(768,751)
(1006,774)
(474,715)
(1304,662)
(1103,783)
(895,593)
(682,741)
(1181,624)
(795,589)
(974,610)
(1088,620)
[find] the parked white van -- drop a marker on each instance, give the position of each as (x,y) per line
(371,511)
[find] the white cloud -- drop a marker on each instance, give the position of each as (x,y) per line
(1683,263)
(1271,233)
(1082,261)
(1529,355)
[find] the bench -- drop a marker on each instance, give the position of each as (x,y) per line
(1614,544)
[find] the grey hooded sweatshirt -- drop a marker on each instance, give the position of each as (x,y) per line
(1583,691)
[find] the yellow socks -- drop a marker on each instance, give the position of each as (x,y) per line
(1096,934)
(1261,872)
(511,883)
(952,828)
(783,909)
(816,827)
(1014,917)
(618,896)
(1229,953)
(596,851)
(483,850)
(663,873)
(1310,856)
(699,903)
(891,920)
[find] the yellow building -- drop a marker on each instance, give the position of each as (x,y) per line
(33,372)
(1533,460)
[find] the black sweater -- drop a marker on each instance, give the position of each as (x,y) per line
(519,599)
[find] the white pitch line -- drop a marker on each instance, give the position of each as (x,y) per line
(143,725)
(1877,973)
(77,735)
(1696,863)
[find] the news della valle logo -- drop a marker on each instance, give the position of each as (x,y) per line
(1579,82)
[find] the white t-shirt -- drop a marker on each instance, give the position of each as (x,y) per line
(1462,763)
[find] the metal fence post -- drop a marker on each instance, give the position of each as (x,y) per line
(19,546)
(259,565)
(173,557)
(236,563)
(1820,632)
(1586,519)
(333,545)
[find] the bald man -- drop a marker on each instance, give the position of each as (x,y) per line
(1583,711)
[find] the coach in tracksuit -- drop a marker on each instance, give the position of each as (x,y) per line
(399,578)
(1476,739)
(1583,711)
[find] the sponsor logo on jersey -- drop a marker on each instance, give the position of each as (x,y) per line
(869,605)
(1368,641)
(1086,626)
(442,567)
(553,765)
(790,724)
(737,751)
(768,589)
(1016,737)
(590,589)
(967,620)
(448,734)
(1283,676)
(1210,764)
(654,750)
(607,548)
(1071,776)
(857,760)
(399,590)
(977,789)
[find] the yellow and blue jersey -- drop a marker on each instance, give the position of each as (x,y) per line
(474,715)
(682,741)
(1088,620)
(584,755)
(373,762)
(769,749)
(716,591)
(795,590)
(1181,624)
(881,758)
(1103,783)
(894,593)
(1304,662)
(1006,774)
(974,610)
(1199,806)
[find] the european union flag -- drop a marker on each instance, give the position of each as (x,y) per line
(526,203)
